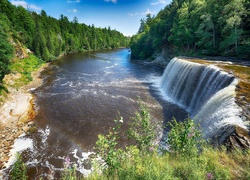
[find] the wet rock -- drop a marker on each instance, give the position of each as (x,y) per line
(239,139)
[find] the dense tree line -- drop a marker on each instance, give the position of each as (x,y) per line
(48,37)
(196,27)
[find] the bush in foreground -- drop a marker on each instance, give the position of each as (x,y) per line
(189,157)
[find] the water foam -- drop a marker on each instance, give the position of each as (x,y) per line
(21,143)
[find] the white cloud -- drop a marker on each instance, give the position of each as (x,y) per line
(73,10)
(114,1)
(159,2)
(148,12)
(133,14)
(74,1)
(25,5)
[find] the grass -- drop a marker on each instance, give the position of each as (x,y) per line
(210,164)
(25,67)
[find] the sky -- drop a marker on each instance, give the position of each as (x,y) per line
(122,15)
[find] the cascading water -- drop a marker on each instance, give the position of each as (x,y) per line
(206,92)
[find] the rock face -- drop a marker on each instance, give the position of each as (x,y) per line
(20,51)
(239,139)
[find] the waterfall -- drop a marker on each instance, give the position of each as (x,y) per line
(205,91)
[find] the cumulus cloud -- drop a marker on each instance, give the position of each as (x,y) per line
(114,1)
(159,2)
(25,5)
(73,10)
(74,1)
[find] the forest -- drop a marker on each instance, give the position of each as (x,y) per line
(47,37)
(196,28)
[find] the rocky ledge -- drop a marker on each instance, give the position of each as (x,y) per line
(16,114)
(239,139)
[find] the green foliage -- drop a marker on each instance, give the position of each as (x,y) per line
(190,27)
(25,67)
(6,49)
(232,30)
(141,129)
(69,173)
(184,138)
(19,169)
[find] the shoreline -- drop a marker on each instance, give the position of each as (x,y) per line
(17,115)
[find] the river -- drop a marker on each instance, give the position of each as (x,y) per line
(81,96)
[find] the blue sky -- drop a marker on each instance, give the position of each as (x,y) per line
(122,15)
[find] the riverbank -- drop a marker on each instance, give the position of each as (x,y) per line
(17,112)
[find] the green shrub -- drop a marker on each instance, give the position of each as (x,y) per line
(184,138)
(141,129)
(69,173)
(107,149)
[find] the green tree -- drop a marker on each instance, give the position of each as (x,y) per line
(142,25)
(206,34)
(6,49)
(24,26)
(232,30)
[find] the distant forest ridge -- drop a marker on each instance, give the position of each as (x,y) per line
(196,27)
(48,37)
